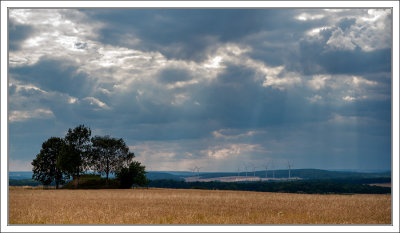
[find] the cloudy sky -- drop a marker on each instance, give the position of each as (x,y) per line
(213,88)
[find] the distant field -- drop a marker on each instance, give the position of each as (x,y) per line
(382,185)
(171,206)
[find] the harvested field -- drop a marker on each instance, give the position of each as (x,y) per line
(172,206)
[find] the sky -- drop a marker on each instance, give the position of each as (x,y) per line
(220,89)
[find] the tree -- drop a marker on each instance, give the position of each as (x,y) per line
(134,174)
(45,169)
(109,155)
(74,157)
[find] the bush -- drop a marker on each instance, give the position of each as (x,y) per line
(133,175)
(92,181)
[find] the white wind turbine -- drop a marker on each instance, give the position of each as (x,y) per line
(192,170)
(266,169)
(290,165)
(272,168)
(245,168)
(254,170)
(198,171)
(238,170)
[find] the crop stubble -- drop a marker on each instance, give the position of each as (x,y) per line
(172,206)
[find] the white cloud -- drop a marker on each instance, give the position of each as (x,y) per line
(370,31)
(349,98)
(314,98)
(339,40)
(72,100)
(56,33)
(281,83)
(18,115)
(307,16)
(180,84)
(315,32)
(214,63)
(353,98)
(359,81)
(95,102)
(222,153)
(179,99)
(275,77)
(342,89)
(230,151)
(25,87)
(318,81)
(230,134)
(375,14)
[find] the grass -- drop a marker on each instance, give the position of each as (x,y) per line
(170,206)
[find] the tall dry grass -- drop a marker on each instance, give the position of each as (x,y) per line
(169,206)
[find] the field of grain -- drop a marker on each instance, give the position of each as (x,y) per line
(170,206)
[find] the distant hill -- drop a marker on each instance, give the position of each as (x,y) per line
(20,175)
(25,178)
(301,173)
(162,176)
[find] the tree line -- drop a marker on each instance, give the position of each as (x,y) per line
(309,187)
(78,152)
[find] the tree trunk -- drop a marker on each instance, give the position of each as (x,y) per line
(77,178)
(107,171)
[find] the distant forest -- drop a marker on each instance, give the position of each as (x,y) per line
(312,181)
(338,186)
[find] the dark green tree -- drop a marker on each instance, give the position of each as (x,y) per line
(135,174)
(45,169)
(75,156)
(109,155)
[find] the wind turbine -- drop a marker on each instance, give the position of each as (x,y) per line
(254,170)
(272,168)
(198,171)
(266,169)
(290,165)
(245,168)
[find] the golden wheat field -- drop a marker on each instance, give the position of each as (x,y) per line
(171,206)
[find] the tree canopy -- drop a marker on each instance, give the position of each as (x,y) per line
(134,174)
(45,167)
(109,154)
(74,158)
(78,152)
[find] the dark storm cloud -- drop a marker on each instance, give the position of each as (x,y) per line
(189,33)
(57,75)
(314,58)
(17,33)
(244,102)
(235,99)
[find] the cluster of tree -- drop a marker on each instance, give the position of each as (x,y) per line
(319,187)
(78,152)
